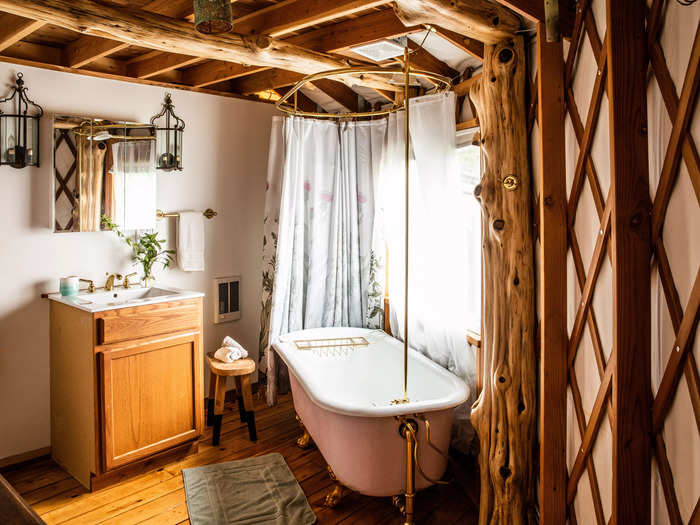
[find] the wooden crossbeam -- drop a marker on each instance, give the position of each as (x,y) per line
(302,101)
(339,92)
(669,171)
(15,28)
(292,15)
(171,8)
(169,35)
(533,10)
(354,32)
(264,80)
(589,463)
(471,46)
(159,64)
(421,58)
(485,21)
(463,87)
(675,310)
(587,139)
(674,368)
(589,437)
(215,71)
(86,49)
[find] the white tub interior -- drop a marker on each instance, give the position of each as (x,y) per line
(364,380)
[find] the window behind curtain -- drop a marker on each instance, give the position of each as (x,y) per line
(469,165)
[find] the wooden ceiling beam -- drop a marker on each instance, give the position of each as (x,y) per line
(339,92)
(292,15)
(330,39)
(215,72)
(14,28)
(265,80)
(165,34)
(483,20)
(35,53)
(159,64)
(469,45)
(86,49)
(354,32)
(171,8)
(533,10)
(303,102)
(420,58)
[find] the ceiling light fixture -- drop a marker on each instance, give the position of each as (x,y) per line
(213,17)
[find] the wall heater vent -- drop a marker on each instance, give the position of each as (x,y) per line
(227,293)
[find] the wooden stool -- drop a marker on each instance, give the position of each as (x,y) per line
(241,371)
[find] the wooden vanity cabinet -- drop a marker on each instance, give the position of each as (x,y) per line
(126,386)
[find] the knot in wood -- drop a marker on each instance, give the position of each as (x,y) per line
(499,224)
(548,201)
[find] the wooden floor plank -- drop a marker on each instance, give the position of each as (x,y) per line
(157,497)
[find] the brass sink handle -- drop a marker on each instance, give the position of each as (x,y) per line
(91,285)
(126,279)
(109,285)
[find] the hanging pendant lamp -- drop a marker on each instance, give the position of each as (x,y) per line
(212,17)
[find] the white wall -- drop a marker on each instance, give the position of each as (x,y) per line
(225,158)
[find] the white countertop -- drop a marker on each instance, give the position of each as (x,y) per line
(102,300)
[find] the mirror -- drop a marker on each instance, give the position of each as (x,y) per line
(103,167)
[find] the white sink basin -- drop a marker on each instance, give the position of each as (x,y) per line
(123,298)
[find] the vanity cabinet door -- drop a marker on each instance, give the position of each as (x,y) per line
(151,397)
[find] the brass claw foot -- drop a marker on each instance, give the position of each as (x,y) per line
(337,493)
(304,441)
(334,496)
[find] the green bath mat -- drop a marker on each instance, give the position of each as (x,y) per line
(260,490)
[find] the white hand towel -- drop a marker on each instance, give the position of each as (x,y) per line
(190,241)
(230,342)
(228,354)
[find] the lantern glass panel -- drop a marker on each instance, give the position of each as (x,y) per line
(169,148)
(8,134)
(32,157)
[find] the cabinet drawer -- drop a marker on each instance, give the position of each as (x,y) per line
(137,322)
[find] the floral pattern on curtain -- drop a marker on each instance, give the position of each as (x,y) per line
(321,233)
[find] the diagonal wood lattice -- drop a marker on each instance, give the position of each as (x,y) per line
(681,147)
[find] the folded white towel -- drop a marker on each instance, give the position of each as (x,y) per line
(229,354)
(230,342)
(190,241)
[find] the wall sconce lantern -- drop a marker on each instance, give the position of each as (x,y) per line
(169,131)
(19,130)
(213,17)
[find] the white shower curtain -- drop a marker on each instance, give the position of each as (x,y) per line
(443,259)
(324,257)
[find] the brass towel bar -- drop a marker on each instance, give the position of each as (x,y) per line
(208,213)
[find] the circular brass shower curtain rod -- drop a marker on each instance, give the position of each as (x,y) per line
(443,84)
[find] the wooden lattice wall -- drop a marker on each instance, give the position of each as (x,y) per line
(597,210)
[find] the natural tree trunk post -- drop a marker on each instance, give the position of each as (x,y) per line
(504,415)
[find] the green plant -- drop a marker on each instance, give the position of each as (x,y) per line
(146,248)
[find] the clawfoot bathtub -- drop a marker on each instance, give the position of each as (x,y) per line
(344,395)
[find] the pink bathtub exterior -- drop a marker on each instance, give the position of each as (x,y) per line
(365,450)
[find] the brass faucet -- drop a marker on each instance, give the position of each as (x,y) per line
(109,285)
(91,285)
(126,279)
